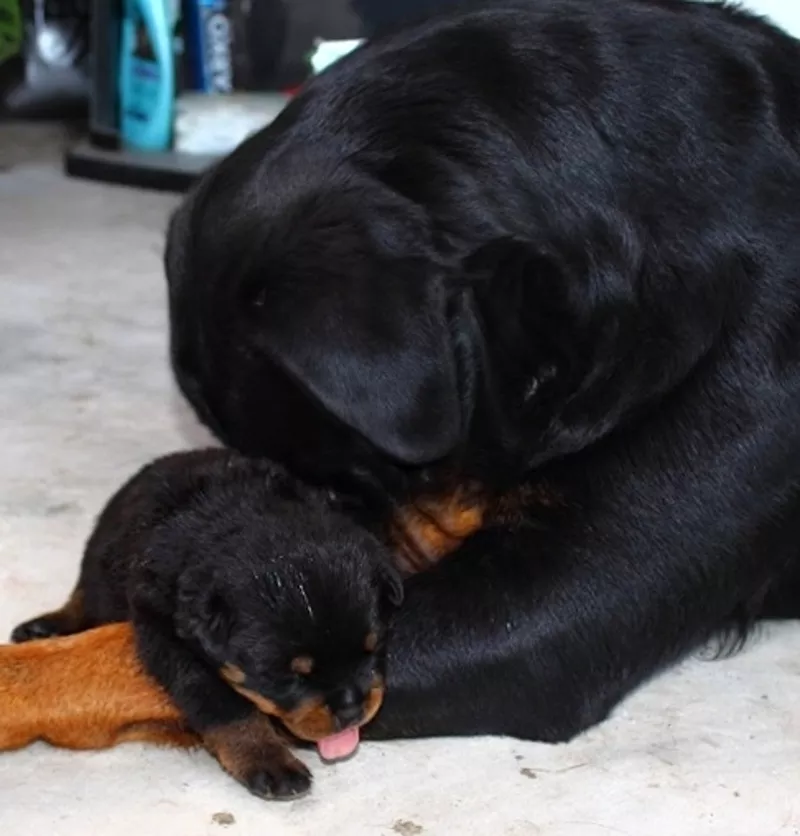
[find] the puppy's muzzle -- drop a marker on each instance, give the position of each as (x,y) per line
(315,719)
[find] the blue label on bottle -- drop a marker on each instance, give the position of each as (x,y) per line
(145,89)
(219,50)
(214,46)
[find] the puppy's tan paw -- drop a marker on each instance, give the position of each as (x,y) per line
(251,752)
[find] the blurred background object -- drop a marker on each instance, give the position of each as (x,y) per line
(44,58)
(235,65)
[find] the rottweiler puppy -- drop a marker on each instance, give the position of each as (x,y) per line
(252,597)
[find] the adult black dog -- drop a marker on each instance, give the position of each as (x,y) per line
(549,254)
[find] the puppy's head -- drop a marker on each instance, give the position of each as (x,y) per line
(311,325)
(292,611)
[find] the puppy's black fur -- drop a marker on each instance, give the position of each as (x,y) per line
(226,564)
(556,243)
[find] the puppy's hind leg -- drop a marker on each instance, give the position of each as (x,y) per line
(70,619)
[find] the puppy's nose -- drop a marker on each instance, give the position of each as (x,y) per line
(347,706)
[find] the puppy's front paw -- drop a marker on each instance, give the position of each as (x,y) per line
(251,752)
(281,779)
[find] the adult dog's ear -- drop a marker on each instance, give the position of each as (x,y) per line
(359,321)
(202,616)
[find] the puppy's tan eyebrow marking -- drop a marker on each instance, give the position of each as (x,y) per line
(234,675)
(371,642)
(302,665)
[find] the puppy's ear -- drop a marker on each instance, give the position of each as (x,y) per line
(357,317)
(391,584)
(202,615)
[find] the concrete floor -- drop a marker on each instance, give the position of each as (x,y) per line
(86,397)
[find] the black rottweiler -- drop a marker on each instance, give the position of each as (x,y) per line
(250,595)
(552,249)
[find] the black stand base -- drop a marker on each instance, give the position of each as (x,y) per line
(166,172)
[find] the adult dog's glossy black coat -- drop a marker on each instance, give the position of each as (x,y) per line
(558,245)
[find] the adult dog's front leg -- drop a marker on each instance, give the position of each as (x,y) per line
(86,691)
(539,633)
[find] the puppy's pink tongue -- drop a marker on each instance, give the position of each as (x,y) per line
(338,746)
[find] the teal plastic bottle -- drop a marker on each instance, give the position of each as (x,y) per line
(147,74)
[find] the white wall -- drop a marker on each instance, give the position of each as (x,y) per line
(785,13)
